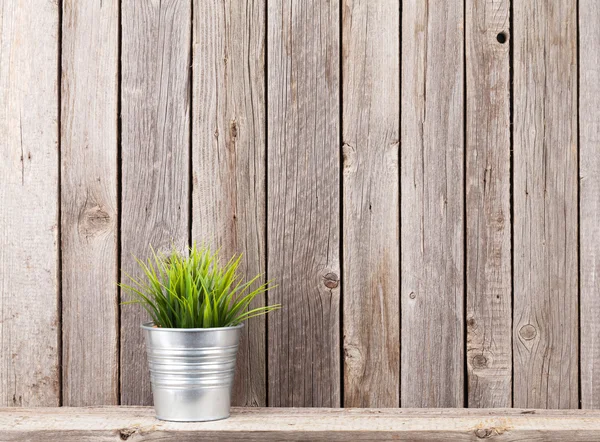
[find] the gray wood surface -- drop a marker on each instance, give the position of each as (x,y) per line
(371,120)
(589,186)
(228,156)
(155,109)
(303,202)
(488,235)
(29,186)
(276,129)
(545,204)
(297,424)
(89,225)
(432,204)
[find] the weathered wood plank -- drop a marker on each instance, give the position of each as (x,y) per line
(156,82)
(432,204)
(89,100)
(29,186)
(589,173)
(488,235)
(229,158)
(303,202)
(371,120)
(265,424)
(545,204)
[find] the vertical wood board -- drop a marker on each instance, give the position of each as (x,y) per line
(545,334)
(303,202)
(89,100)
(29,183)
(371,119)
(432,204)
(155,100)
(229,159)
(589,187)
(488,235)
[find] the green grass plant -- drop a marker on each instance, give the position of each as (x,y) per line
(194,290)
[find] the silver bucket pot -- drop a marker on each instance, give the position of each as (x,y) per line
(191,370)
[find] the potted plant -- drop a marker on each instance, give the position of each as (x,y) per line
(198,308)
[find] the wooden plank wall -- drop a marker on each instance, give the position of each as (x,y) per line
(303,202)
(545,315)
(29,204)
(228,157)
(589,201)
(432,204)
(421,179)
(89,207)
(155,156)
(371,48)
(488,222)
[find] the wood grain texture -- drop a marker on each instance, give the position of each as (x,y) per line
(89,100)
(371,120)
(545,205)
(432,204)
(589,188)
(155,100)
(303,202)
(488,236)
(29,186)
(297,424)
(229,158)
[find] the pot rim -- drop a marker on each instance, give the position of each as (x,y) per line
(150,326)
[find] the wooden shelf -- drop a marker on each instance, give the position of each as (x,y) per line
(264,424)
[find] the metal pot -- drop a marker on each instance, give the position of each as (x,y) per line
(191,371)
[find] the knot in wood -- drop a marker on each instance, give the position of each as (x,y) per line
(500,221)
(94,220)
(233,130)
(126,433)
(331,280)
(479,361)
(483,433)
(352,352)
(528,332)
(502,37)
